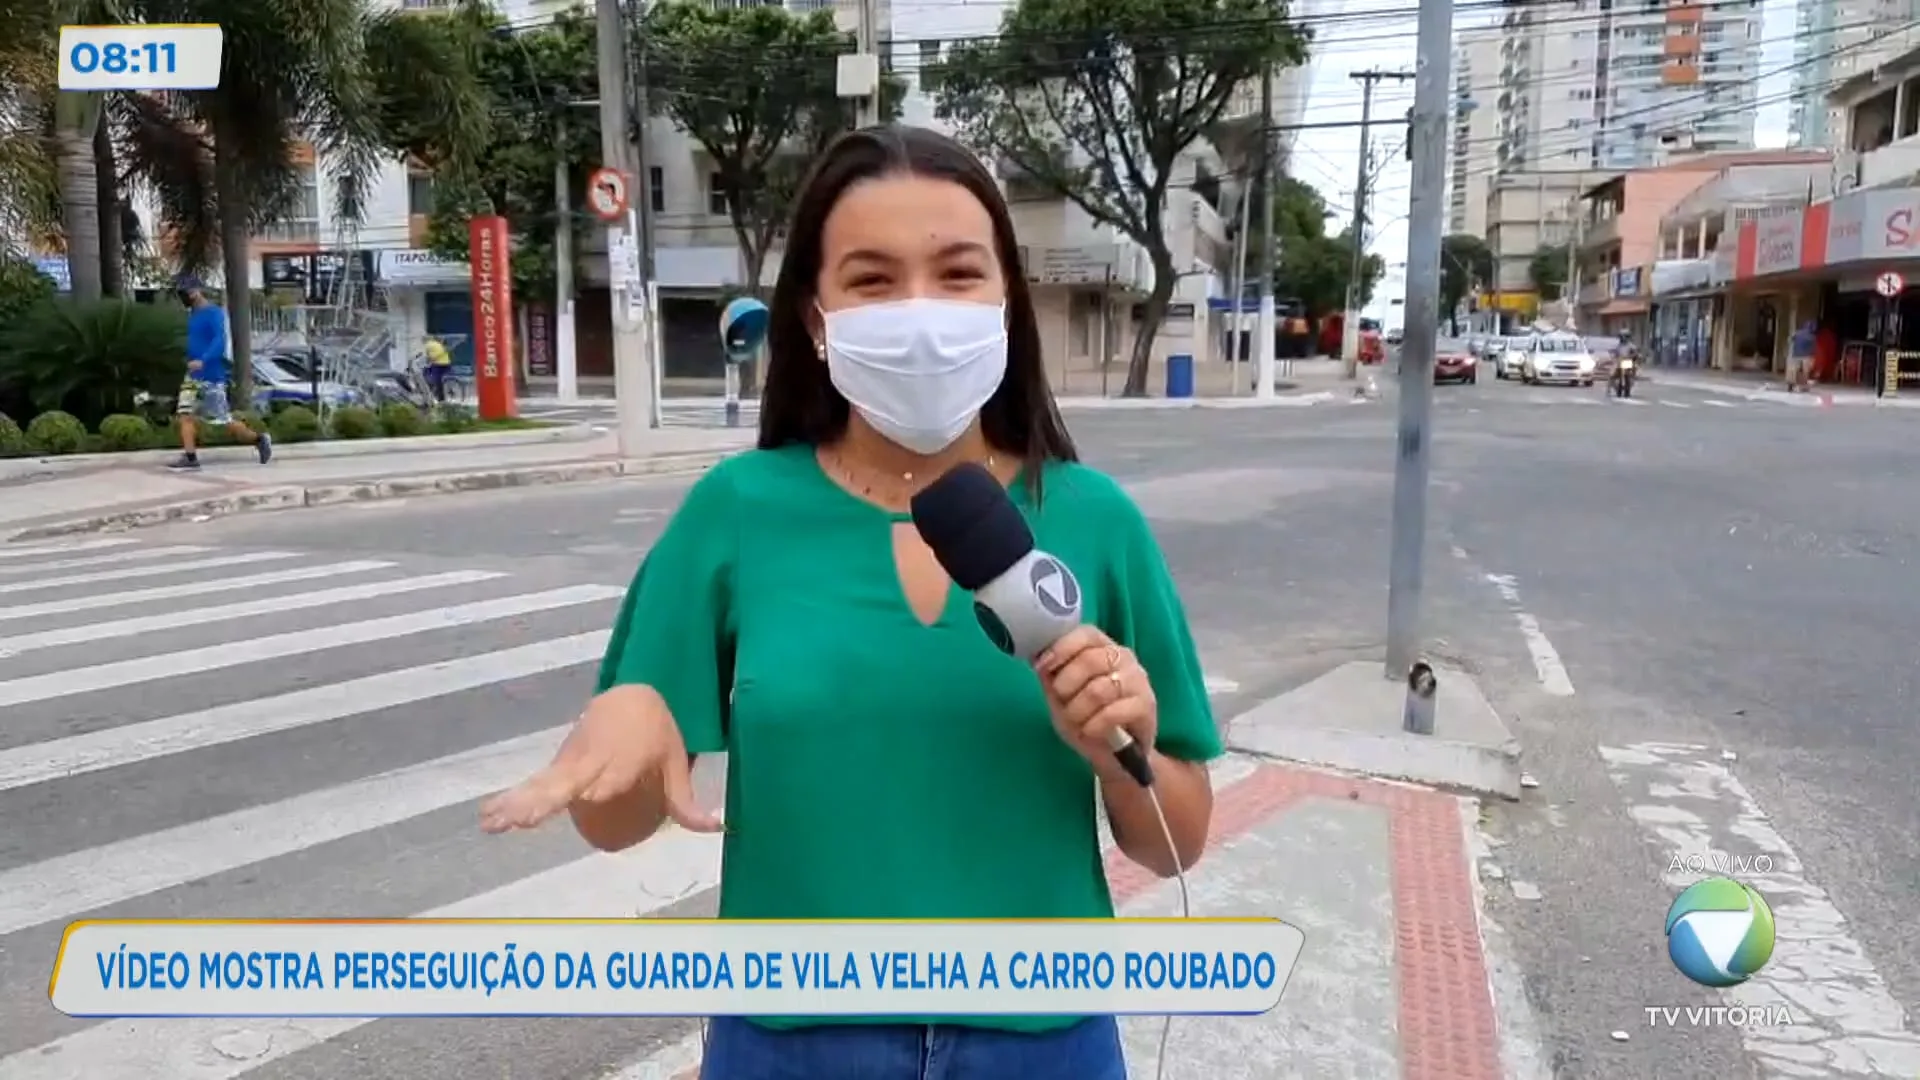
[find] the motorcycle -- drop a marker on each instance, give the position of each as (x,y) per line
(1622,382)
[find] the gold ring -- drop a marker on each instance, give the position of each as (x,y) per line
(1113,659)
(1119,690)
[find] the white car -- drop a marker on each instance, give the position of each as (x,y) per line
(1558,358)
(1507,355)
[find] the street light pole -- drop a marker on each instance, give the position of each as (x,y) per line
(1426,221)
(1263,346)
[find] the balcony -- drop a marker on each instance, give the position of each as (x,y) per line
(1599,234)
(1894,163)
(1595,293)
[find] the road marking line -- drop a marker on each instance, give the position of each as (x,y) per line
(1674,404)
(65,886)
(28,551)
(185,589)
(1718,404)
(657,874)
(273,605)
(146,571)
(1546,660)
(104,560)
(1216,685)
(1694,810)
(59,684)
(38,763)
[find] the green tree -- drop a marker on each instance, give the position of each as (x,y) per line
(1095,101)
(1466,263)
(760,122)
(1311,266)
(1548,271)
(532,78)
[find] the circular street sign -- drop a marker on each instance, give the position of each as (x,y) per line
(607,194)
(1889,284)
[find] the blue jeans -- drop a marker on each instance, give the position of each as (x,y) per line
(740,1050)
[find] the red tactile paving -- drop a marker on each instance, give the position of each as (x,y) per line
(1447,1026)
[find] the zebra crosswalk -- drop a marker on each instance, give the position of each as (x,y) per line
(191,731)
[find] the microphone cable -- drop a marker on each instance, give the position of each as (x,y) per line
(1186,912)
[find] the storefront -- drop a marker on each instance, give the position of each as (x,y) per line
(430,296)
(1687,304)
(1831,263)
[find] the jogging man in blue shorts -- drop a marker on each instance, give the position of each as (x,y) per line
(203,396)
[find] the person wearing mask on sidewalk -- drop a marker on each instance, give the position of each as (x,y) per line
(204,393)
(885,760)
(1800,357)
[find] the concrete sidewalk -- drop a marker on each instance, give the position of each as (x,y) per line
(40,502)
(1399,977)
(1756,387)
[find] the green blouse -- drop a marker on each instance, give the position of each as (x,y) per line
(879,767)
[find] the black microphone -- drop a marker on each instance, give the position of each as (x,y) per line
(1024,598)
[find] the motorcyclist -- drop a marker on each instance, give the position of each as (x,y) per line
(1625,360)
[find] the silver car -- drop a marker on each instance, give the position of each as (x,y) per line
(1506,355)
(1559,358)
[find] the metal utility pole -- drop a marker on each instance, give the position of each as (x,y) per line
(867,106)
(1263,347)
(565,360)
(1571,290)
(1426,221)
(632,382)
(1350,327)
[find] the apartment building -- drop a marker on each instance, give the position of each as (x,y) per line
(1473,151)
(1622,85)
(1528,212)
(1835,41)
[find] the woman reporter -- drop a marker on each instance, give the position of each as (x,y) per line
(885,760)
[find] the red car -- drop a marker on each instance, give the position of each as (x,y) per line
(1454,362)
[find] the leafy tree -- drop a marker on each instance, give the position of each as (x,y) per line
(1096,101)
(1466,263)
(761,121)
(531,78)
(1548,271)
(1311,266)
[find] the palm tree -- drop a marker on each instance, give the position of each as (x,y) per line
(27,179)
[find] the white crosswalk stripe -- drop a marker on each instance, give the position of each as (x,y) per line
(199,732)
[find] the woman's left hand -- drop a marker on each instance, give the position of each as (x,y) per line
(1095,686)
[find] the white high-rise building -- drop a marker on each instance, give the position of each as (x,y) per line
(1623,84)
(1835,40)
(1473,151)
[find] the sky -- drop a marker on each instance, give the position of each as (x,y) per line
(1354,35)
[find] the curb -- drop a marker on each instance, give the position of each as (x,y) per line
(1279,401)
(333,448)
(293,497)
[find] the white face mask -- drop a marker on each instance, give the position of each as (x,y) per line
(918,370)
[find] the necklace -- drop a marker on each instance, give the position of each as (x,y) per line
(867,489)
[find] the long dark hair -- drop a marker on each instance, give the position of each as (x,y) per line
(798,402)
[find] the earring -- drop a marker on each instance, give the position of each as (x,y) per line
(820,349)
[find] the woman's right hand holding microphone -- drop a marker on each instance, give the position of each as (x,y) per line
(619,771)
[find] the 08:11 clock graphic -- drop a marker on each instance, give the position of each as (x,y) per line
(175,56)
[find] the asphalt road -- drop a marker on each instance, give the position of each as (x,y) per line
(1713,572)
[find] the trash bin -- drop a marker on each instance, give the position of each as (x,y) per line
(1180,375)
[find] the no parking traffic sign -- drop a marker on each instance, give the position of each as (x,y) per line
(1889,284)
(607,194)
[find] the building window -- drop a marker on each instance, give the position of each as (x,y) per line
(657,189)
(300,224)
(419,194)
(929,61)
(716,194)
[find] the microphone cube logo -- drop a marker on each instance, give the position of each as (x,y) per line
(1719,932)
